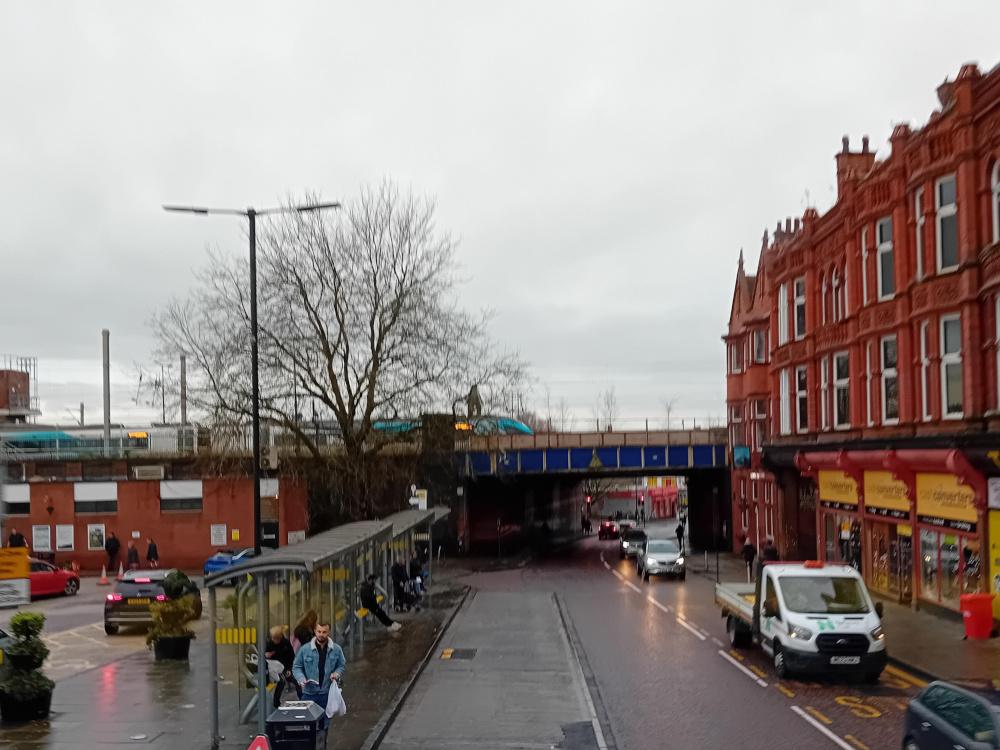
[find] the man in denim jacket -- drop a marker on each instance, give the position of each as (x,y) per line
(317,664)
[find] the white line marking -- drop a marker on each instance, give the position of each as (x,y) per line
(583,692)
(606,565)
(820,727)
(717,642)
(704,632)
(743,669)
(632,586)
(694,631)
(658,605)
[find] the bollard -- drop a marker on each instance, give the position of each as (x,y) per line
(706,559)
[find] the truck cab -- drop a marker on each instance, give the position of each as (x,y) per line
(819,619)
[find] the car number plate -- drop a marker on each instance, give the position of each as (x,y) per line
(138,601)
(845,659)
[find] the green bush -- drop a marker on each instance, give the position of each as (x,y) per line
(177,584)
(170,617)
(22,683)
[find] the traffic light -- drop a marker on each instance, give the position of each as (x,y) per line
(642,499)
(588,499)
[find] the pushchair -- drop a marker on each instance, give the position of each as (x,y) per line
(405,597)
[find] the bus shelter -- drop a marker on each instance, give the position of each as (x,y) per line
(321,574)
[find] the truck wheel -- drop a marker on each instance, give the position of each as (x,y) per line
(780,667)
(739,636)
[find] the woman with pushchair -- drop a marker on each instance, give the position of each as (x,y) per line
(403,594)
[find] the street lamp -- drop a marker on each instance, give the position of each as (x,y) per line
(251,214)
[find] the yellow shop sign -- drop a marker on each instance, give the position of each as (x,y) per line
(942,501)
(886,496)
(837,490)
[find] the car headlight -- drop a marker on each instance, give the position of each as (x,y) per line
(679,561)
(799,632)
(877,633)
(624,544)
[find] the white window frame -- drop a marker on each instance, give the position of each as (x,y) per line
(950,359)
(884,248)
(785,411)
(760,423)
(835,289)
(995,200)
(868,384)
(889,373)
(918,208)
(761,336)
(783,314)
(735,361)
(925,370)
(736,436)
(822,298)
(824,394)
(942,212)
(801,400)
(799,300)
(840,384)
(864,265)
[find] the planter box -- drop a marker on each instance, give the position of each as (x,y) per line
(26,662)
(13,710)
(172,648)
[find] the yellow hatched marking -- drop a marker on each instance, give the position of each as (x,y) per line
(905,676)
(757,671)
(785,690)
(737,655)
(446,654)
(818,715)
(856,742)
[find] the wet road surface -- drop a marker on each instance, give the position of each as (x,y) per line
(663,675)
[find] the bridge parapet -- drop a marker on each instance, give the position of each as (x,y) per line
(490,443)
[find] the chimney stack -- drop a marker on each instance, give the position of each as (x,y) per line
(788,225)
(846,141)
(864,144)
(796,223)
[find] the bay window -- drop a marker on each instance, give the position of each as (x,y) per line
(786,405)
(841,390)
(824,394)
(800,307)
(759,347)
(783,314)
(801,400)
(886,266)
(890,381)
(951,366)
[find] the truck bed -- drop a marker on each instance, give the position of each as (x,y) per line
(736,599)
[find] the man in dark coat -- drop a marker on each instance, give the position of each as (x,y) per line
(16,539)
(132,556)
(770,553)
(417,573)
(400,575)
(369,599)
(153,555)
(749,553)
(112,546)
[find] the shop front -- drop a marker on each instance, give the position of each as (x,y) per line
(839,518)
(950,543)
(888,535)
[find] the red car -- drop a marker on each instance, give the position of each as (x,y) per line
(47,579)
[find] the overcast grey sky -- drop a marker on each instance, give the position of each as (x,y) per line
(601,163)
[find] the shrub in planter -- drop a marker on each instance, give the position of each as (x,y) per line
(168,636)
(25,691)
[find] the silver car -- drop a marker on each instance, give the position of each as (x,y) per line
(661,557)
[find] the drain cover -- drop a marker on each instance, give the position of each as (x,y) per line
(458,653)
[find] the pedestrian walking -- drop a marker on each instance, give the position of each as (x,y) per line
(304,630)
(317,664)
(152,554)
(749,554)
(112,546)
(132,556)
(279,649)
(16,539)
(369,599)
(770,552)
(680,535)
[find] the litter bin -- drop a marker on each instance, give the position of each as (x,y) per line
(297,725)
(977,612)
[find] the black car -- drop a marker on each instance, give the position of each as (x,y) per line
(632,543)
(947,716)
(607,530)
(129,603)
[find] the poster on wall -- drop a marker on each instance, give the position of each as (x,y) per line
(296,536)
(218,534)
(95,536)
(41,538)
(64,537)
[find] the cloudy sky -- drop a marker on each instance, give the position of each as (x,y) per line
(601,163)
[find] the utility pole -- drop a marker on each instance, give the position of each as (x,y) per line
(184,392)
(105,338)
(163,395)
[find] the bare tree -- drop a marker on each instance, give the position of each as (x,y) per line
(565,421)
(357,315)
(668,406)
(605,410)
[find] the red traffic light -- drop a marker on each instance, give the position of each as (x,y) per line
(642,498)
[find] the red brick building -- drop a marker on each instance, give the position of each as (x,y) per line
(879,381)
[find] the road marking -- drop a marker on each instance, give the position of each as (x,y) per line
(858,707)
(632,586)
(818,715)
(900,706)
(743,669)
(606,564)
(857,742)
(693,630)
(905,676)
(757,671)
(785,690)
(717,642)
(658,605)
(446,654)
(704,632)
(736,655)
(582,690)
(823,729)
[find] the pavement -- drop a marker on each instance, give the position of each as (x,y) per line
(929,642)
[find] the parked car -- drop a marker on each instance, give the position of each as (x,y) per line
(607,530)
(129,603)
(632,543)
(47,579)
(661,557)
(226,558)
(943,715)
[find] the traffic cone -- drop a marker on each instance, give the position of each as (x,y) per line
(121,571)
(104,576)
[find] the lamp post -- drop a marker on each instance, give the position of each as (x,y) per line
(251,215)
